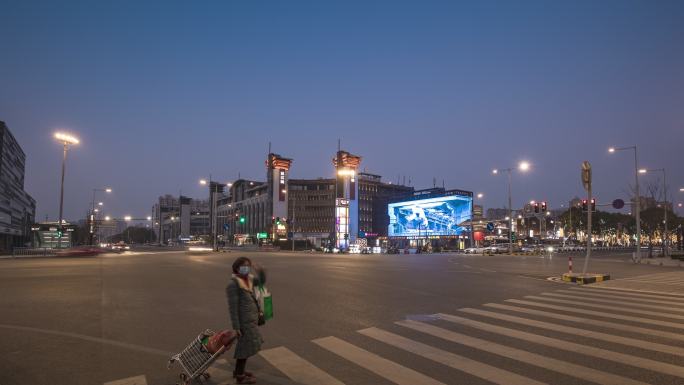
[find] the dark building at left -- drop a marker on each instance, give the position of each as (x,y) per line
(17,207)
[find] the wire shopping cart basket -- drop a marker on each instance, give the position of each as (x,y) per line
(196,358)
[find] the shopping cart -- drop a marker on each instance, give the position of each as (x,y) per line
(195,359)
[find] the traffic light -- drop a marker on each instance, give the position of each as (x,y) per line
(242,219)
(584,205)
(273,220)
(59,233)
(593,205)
(543,207)
(536,208)
(277,220)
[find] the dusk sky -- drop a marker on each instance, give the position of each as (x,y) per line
(164,93)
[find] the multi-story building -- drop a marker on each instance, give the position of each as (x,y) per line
(495,214)
(180,218)
(17,207)
(245,213)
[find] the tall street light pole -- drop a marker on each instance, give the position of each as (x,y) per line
(637,200)
(523,166)
(66,140)
(665,237)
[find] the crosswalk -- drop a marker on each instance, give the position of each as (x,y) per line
(575,335)
(607,335)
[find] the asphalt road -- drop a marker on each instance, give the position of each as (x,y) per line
(118,317)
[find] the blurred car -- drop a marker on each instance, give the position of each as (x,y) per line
(87,251)
(120,246)
(475,250)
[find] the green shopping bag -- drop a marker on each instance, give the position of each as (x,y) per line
(268,306)
(263,297)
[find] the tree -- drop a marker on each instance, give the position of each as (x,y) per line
(134,235)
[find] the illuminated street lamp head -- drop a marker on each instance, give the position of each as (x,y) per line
(681,189)
(127,218)
(611,150)
(480,195)
(532,202)
(229,184)
(507,218)
(66,138)
(203,182)
(679,205)
(495,171)
(524,166)
(97,210)
(100,203)
(149,218)
(283,191)
(642,171)
(107,218)
(108,190)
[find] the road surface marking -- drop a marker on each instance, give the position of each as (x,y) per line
(607,307)
(84,337)
(568,309)
(613,302)
(611,325)
(529,358)
(137,380)
(637,343)
(643,363)
(297,368)
(619,297)
(475,368)
(627,293)
(381,366)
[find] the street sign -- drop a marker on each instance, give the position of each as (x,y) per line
(586,174)
(618,204)
(226,226)
(490,226)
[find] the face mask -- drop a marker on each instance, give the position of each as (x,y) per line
(244,270)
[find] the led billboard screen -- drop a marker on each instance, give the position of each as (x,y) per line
(433,216)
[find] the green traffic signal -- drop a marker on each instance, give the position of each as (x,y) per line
(242,219)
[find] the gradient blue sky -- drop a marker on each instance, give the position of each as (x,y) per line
(163,93)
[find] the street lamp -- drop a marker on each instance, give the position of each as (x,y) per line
(665,237)
(127,218)
(523,167)
(66,140)
(637,200)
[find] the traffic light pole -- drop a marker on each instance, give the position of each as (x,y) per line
(590,208)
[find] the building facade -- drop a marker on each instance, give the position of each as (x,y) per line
(178,219)
(17,207)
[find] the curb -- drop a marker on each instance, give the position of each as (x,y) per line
(586,279)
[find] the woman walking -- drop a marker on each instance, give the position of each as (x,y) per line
(244,316)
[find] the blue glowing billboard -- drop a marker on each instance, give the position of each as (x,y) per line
(443,215)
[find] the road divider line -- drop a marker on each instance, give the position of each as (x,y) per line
(524,356)
(381,366)
(472,367)
(564,329)
(618,297)
(297,368)
(621,358)
(607,307)
(587,321)
(614,302)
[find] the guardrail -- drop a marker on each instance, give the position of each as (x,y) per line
(33,252)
